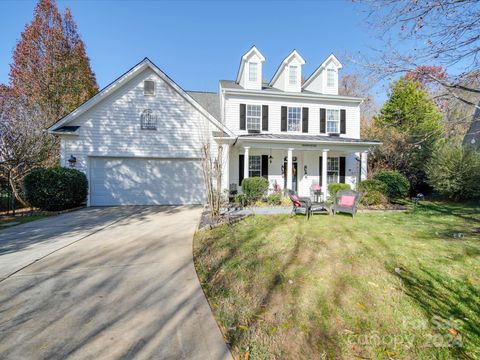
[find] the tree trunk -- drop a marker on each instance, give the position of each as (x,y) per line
(16,193)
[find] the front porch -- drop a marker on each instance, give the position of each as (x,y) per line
(298,163)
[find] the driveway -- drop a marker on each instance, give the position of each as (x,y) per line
(105,283)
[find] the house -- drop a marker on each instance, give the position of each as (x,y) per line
(139,139)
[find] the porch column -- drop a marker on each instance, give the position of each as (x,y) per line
(324,173)
(226,167)
(289,169)
(363,165)
(246,162)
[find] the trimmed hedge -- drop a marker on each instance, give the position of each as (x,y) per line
(397,184)
(367,186)
(56,188)
(333,188)
(254,188)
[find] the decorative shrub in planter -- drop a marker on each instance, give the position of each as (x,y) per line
(397,184)
(56,188)
(254,188)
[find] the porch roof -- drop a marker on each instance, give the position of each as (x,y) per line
(308,138)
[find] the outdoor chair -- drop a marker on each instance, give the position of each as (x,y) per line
(301,205)
(346,201)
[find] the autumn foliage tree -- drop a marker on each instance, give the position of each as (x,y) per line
(49,77)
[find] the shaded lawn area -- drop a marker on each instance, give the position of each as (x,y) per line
(18,219)
(386,285)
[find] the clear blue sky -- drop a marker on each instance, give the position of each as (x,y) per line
(198,43)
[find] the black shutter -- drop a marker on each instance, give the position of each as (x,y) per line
(320,172)
(241,164)
(343,122)
(265,166)
(265,117)
(243,110)
(284,119)
(305,120)
(323,121)
(342,169)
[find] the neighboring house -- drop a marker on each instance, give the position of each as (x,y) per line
(472,137)
(139,140)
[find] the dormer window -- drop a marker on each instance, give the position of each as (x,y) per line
(252,71)
(293,72)
(330,77)
(148,88)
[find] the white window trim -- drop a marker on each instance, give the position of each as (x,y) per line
(249,71)
(334,80)
(337,121)
(250,162)
(300,120)
(290,74)
(154,88)
(260,118)
(337,180)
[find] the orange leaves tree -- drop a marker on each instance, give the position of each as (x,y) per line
(50,76)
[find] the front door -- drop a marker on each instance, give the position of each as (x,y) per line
(294,175)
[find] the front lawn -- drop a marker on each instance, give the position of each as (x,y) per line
(386,285)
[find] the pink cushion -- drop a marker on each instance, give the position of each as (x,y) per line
(346,200)
(295,200)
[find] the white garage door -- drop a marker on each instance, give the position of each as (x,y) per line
(135,181)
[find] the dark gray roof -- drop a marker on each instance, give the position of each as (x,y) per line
(307,138)
(472,137)
(233,85)
(209,101)
(67,129)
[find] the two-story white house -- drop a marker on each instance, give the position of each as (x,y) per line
(139,139)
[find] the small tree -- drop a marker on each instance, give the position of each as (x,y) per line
(454,171)
(212,175)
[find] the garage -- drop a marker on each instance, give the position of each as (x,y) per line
(145,181)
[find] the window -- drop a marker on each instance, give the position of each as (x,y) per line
(252,71)
(254,116)
(292,78)
(330,77)
(254,166)
(148,120)
(332,170)
(333,121)
(294,118)
(148,87)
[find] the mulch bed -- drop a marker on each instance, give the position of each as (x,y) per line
(207,223)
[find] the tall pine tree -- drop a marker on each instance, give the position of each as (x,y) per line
(50,67)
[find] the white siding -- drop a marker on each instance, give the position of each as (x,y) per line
(112,127)
(232,114)
(244,80)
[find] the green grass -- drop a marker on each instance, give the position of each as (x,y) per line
(5,219)
(386,285)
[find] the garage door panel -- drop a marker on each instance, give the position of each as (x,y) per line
(133,181)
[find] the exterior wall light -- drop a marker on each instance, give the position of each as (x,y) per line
(72,161)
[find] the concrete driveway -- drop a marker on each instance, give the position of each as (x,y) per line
(105,283)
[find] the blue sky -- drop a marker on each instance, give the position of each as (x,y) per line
(198,43)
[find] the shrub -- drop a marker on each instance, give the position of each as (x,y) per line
(454,172)
(333,188)
(254,188)
(56,188)
(274,199)
(367,186)
(397,184)
(241,199)
(373,197)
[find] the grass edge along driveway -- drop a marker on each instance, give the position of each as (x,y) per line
(385,285)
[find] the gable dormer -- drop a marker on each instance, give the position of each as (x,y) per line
(324,80)
(289,74)
(250,71)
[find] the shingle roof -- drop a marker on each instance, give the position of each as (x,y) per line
(327,138)
(209,101)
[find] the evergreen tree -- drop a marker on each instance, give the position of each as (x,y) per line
(409,124)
